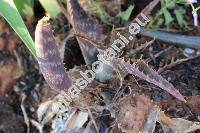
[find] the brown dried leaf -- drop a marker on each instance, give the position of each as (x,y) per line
(3,43)
(150,125)
(8,45)
(14,40)
(9,72)
(84,99)
(134,111)
(177,125)
(3,26)
(77,120)
(8,39)
(194,101)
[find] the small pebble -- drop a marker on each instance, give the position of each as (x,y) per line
(150,48)
(189,52)
(35,96)
(17,89)
(32,109)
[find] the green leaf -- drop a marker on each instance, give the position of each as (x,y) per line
(9,11)
(24,7)
(181,1)
(159,23)
(126,14)
(51,6)
(168,17)
(100,12)
(179,16)
(170,4)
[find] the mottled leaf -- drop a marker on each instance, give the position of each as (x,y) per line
(48,57)
(143,71)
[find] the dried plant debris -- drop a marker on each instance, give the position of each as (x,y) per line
(9,72)
(62,117)
(133,113)
(76,120)
(138,113)
(10,122)
(44,110)
(150,124)
(8,39)
(177,125)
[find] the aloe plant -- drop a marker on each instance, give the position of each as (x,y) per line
(87,32)
(90,33)
(48,57)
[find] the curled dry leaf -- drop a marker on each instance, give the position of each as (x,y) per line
(134,112)
(150,124)
(43,108)
(76,120)
(138,114)
(177,125)
(49,109)
(9,72)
